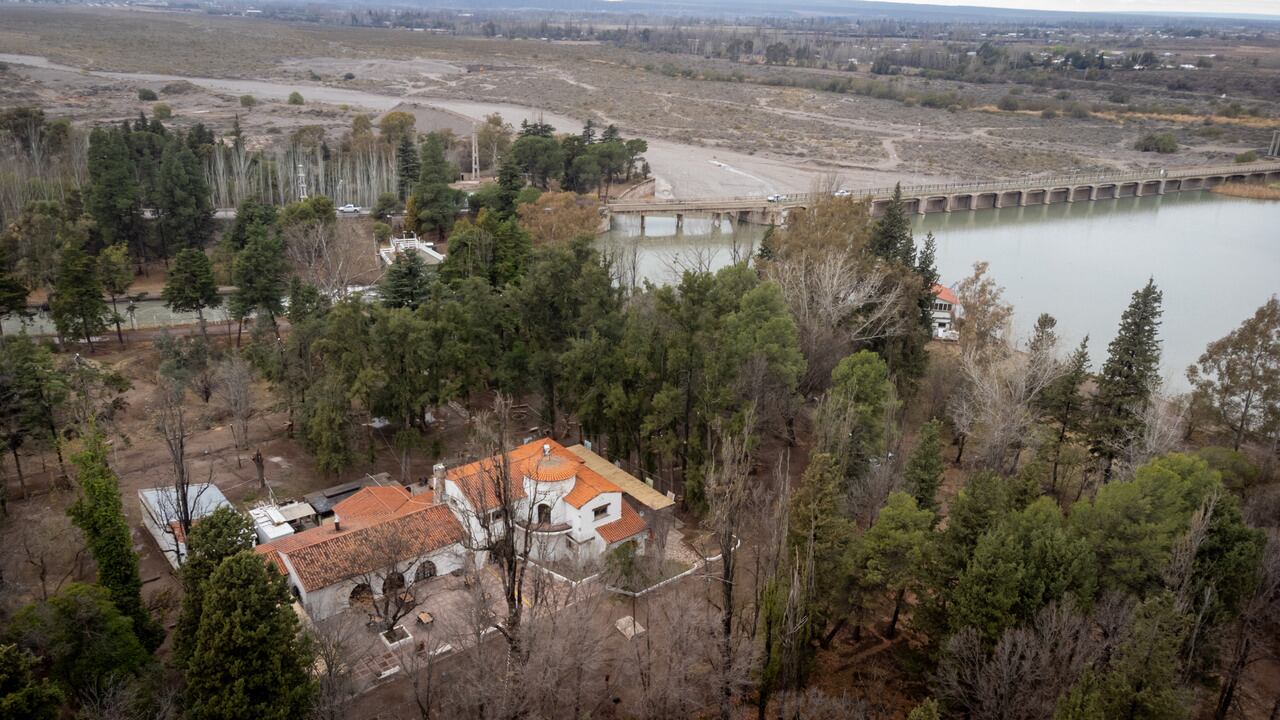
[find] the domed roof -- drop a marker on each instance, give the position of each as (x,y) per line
(550,468)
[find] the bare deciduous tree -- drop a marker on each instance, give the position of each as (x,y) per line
(235,387)
(996,406)
(500,518)
(838,304)
(1026,672)
(984,318)
(327,254)
(1259,618)
(730,496)
(182,502)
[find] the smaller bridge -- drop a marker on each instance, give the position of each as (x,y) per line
(955,197)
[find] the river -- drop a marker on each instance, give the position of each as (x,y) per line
(1216,259)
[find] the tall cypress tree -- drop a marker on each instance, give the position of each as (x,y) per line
(182,198)
(250,658)
(925,467)
(218,536)
(100,516)
(408,166)
(1129,376)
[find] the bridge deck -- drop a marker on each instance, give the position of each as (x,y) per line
(748,203)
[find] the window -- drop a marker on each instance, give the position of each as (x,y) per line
(601,511)
(544,514)
(426,571)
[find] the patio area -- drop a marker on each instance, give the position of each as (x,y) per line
(451,613)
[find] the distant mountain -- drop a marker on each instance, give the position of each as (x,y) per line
(865,9)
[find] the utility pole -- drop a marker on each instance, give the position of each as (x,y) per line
(475,154)
(302,182)
(1274,151)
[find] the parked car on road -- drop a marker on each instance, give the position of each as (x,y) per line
(349,208)
(842,193)
(774,198)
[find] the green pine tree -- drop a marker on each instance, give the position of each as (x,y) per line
(115,269)
(99,514)
(407,283)
(77,306)
(22,695)
(183,204)
(1128,377)
(190,286)
(217,536)
(259,274)
(408,166)
(114,196)
(250,658)
(890,555)
(1063,404)
(819,529)
(891,234)
(82,638)
(925,467)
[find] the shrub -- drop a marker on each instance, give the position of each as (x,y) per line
(349,76)
(1119,97)
(248,101)
(147,95)
(295,98)
(180,87)
(1048,113)
(1163,143)
(1079,111)
(162,111)
(1008,102)
(1247,156)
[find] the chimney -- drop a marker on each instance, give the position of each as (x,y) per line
(546,449)
(437,477)
(337,524)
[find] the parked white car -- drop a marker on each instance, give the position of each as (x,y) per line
(349,208)
(774,198)
(842,193)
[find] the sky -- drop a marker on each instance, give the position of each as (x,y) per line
(1214,7)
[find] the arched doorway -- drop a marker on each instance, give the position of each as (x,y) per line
(426,570)
(544,514)
(393,583)
(361,597)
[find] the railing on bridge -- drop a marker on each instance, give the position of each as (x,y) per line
(911,191)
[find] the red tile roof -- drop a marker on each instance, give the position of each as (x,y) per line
(945,294)
(480,480)
(372,530)
(629,525)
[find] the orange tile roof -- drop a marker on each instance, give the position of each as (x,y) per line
(629,525)
(945,294)
(590,485)
(374,529)
(478,480)
(370,505)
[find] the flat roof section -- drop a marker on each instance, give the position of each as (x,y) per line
(630,485)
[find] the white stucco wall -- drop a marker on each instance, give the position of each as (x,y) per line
(324,602)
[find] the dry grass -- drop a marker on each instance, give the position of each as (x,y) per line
(1254,191)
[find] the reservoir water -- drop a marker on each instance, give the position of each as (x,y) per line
(1216,259)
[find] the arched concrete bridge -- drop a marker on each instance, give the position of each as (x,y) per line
(957,197)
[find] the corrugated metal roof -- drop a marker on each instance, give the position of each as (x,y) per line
(630,485)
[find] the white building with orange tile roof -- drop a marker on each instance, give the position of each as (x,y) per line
(562,507)
(383,539)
